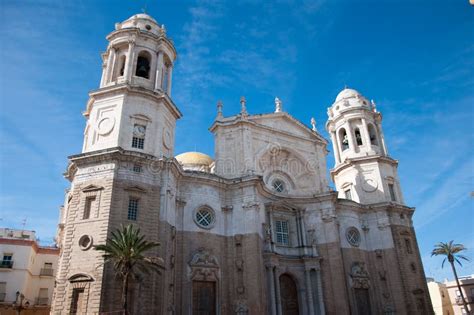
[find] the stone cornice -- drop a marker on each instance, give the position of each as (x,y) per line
(136,31)
(131,89)
(350,162)
(238,119)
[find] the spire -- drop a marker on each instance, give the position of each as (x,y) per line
(219,109)
(243,107)
(278,105)
(313,124)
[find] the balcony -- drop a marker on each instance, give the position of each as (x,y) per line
(6,264)
(42,301)
(2,297)
(48,272)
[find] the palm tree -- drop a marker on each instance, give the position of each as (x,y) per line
(451,251)
(125,249)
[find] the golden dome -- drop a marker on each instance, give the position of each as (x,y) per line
(194,158)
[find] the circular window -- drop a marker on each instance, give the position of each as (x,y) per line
(204,218)
(278,185)
(148,27)
(353,236)
(85,242)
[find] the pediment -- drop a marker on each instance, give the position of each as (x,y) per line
(286,123)
(80,277)
(92,188)
(136,189)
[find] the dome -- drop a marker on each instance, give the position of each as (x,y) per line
(142,21)
(142,16)
(194,158)
(347,93)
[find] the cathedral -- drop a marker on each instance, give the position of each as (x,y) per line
(256,229)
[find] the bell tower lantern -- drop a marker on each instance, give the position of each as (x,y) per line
(139,53)
(363,171)
(133,109)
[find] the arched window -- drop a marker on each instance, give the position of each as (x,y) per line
(343,138)
(372,135)
(358,136)
(143,65)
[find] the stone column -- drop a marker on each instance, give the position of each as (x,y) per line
(159,71)
(277,292)
(303,229)
(336,147)
(110,64)
(320,292)
(309,291)
(271,289)
(350,136)
(104,75)
(130,61)
(170,73)
(366,134)
(382,139)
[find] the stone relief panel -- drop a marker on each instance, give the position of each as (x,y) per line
(359,276)
(204,266)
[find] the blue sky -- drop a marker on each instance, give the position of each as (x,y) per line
(414,58)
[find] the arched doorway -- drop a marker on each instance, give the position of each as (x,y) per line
(288,295)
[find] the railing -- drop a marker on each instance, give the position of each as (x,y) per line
(2,297)
(42,301)
(47,272)
(6,264)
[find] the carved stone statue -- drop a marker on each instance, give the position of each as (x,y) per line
(313,124)
(278,105)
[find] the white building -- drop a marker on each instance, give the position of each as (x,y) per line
(439,298)
(467,287)
(27,268)
(254,230)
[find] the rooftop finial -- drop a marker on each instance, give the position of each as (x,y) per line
(313,124)
(278,105)
(219,109)
(374,106)
(243,107)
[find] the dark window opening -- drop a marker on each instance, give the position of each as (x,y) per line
(372,135)
(143,66)
(391,189)
(358,136)
(344,140)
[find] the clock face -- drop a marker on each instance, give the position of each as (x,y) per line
(139,130)
(167,138)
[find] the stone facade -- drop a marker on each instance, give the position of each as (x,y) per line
(257,230)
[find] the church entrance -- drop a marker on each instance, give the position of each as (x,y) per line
(288,296)
(362,301)
(204,298)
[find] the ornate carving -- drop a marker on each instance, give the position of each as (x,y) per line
(241,308)
(238,239)
(239,264)
(204,266)
(378,253)
(382,223)
(328,215)
(359,276)
(173,232)
(251,206)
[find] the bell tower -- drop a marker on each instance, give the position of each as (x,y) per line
(132,108)
(363,171)
(117,178)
